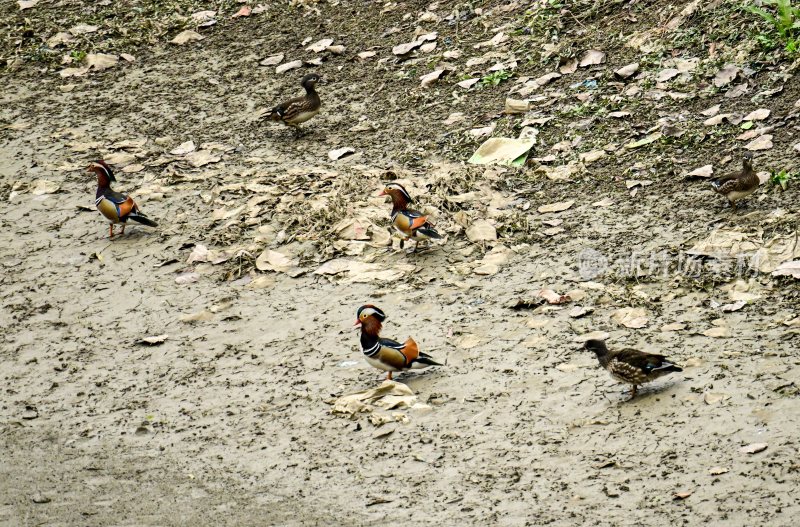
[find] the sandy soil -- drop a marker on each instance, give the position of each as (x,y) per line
(229,420)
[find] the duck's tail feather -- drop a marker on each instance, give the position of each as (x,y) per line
(668,367)
(426,360)
(141,218)
(430,233)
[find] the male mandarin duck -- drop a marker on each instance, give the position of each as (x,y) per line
(739,185)
(115,206)
(631,366)
(386,354)
(411,224)
(300,109)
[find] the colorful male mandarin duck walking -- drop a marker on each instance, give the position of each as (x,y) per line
(387,354)
(115,206)
(411,224)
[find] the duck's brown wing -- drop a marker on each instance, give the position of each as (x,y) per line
(728,183)
(647,363)
(287,111)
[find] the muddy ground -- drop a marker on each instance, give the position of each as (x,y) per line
(229,421)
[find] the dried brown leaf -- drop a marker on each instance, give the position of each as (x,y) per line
(552,297)
(183,148)
(580,311)
(431,78)
(481,231)
(44,186)
(154,340)
(545,79)
(201,158)
(184,37)
(567,66)
(271,260)
(645,141)
(714,398)
(101,61)
(758,115)
(243,12)
(737,91)
(718,332)
(293,65)
(726,75)
(592,58)
(82,29)
(272,60)
(200,316)
(753,448)
(762,143)
(515,106)
(203,16)
(789,268)
(320,45)
(73,72)
(704,171)
(467,83)
(667,74)
(556,207)
(627,71)
(339,153)
(405,49)
(60,39)
(736,306)
(187,278)
(631,317)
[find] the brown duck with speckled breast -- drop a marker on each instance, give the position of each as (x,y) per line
(631,366)
(739,185)
(300,109)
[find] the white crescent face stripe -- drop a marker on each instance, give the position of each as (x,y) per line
(372,311)
(104,169)
(395,186)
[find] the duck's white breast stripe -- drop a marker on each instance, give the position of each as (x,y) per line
(373,350)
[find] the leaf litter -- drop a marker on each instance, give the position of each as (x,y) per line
(381,405)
